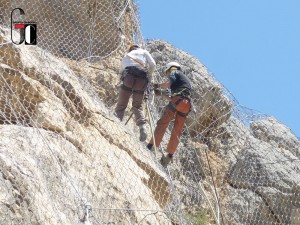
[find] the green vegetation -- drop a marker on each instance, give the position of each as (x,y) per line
(200,217)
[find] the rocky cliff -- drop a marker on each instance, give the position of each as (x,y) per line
(66,159)
(76,29)
(252,159)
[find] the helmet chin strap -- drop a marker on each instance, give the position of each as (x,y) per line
(169,71)
(173,64)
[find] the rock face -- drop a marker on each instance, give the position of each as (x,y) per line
(62,151)
(255,168)
(76,29)
(276,134)
(261,182)
(66,159)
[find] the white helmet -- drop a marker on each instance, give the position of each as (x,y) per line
(171,64)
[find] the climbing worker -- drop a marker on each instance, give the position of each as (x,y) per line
(136,68)
(179,107)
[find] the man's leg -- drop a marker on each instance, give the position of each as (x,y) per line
(123,99)
(174,140)
(137,106)
(182,107)
(176,133)
(161,126)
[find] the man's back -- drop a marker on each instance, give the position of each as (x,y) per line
(178,80)
(139,58)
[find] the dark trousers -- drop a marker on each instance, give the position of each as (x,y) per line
(135,86)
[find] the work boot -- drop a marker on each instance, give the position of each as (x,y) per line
(165,160)
(143,134)
(151,149)
(149,146)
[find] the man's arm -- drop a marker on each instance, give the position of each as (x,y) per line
(165,84)
(163,94)
(151,63)
(169,82)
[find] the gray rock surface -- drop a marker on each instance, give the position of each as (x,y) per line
(62,151)
(254,160)
(76,29)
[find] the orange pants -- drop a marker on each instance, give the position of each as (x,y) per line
(162,124)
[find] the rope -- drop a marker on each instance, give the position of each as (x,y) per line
(137,24)
(167,169)
(45,141)
(93,23)
(213,181)
(151,127)
(128,209)
(88,209)
(52,153)
(87,206)
(7,43)
(121,36)
(215,214)
(123,11)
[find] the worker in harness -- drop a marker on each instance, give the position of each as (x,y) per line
(136,68)
(179,107)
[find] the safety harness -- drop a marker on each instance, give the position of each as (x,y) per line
(184,93)
(131,89)
(136,73)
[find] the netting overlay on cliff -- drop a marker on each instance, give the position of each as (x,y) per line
(66,159)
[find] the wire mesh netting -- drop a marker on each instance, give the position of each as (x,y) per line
(66,159)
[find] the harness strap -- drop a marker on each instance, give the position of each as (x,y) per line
(173,108)
(181,92)
(182,114)
(129,72)
(135,60)
(125,88)
(181,98)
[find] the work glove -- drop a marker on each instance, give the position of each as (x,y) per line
(155,85)
(157,92)
(162,92)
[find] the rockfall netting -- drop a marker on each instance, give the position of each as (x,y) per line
(66,159)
